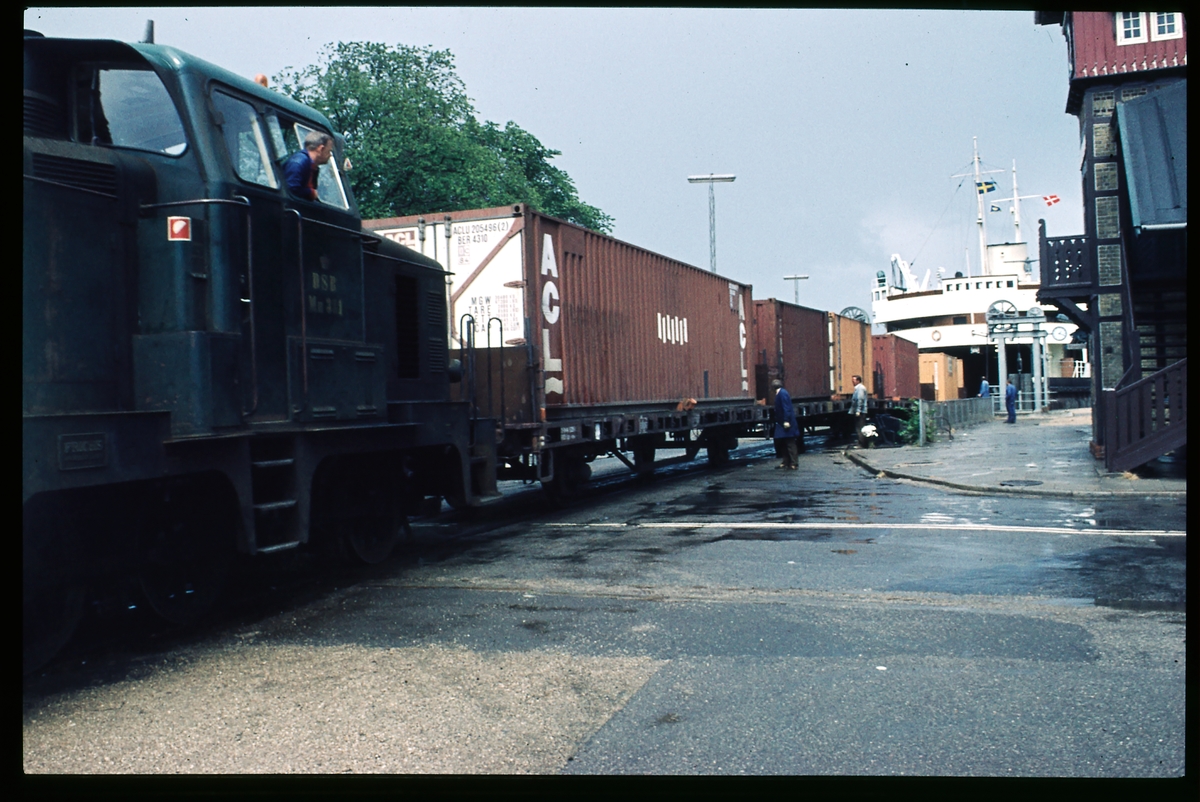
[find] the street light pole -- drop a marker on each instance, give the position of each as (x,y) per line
(710,179)
(796,285)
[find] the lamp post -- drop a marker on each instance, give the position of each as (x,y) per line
(796,285)
(710,179)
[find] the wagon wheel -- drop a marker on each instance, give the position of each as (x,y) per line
(571,472)
(185,556)
(643,457)
(370,541)
(718,452)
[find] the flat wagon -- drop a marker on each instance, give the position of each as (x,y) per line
(581,345)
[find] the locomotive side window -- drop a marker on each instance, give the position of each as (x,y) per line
(127,108)
(329,187)
(245,141)
(288,136)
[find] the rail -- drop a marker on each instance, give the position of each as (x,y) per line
(1065,261)
(1146,419)
(946,416)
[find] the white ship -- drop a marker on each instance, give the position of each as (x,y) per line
(951,315)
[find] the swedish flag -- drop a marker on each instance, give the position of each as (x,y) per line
(985,186)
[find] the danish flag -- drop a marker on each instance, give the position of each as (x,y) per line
(1050,199)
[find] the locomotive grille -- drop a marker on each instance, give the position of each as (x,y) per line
(95,176)
(435,308)
(407,361)
(43,117)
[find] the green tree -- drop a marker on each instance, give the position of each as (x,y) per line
(416,145)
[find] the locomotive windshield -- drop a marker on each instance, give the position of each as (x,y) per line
(128,108)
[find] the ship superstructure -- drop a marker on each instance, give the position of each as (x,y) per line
(951,314)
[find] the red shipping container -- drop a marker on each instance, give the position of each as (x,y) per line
(897,367)
(605,323)
(791,343)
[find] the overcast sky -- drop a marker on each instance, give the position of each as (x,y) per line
(842,127)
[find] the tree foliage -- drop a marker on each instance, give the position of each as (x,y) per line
(416,144)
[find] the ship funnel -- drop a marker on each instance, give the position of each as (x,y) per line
(148,36)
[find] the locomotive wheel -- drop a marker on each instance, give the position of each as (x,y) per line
(52,587)
(370,541)
(185,561)
(49,617)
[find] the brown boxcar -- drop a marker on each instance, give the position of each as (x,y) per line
(598,338)
(897,367)
(791,343)
(849,354)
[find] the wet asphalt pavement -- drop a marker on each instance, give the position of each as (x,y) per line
(741,620)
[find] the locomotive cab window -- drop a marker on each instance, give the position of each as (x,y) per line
(245,140)
(288,137)
(127,108)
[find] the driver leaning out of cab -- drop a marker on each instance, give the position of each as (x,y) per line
(302,167)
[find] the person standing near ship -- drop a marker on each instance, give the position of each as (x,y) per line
(786,430)
(1010,401)
(858,408)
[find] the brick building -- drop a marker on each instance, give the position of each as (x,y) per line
(1124,279)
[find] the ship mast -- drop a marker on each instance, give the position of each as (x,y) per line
(983,265)
(980,191)
(1016,207)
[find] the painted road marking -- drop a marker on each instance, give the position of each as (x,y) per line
(1050,530)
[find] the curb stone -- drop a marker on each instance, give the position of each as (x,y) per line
(1008,491)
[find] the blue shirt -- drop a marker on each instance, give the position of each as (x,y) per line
(1010,394)
(983,389)
(301,175)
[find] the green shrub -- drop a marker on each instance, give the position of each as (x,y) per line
(910,431)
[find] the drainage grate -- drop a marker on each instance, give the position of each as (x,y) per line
(1020,483)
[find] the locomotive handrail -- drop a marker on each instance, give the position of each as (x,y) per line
(303,314)
(69,186)
(195,202)
(367,236)
(503,416)
(351,231)
(468,352)
(249,301)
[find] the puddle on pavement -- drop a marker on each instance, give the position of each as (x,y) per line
(1137,577)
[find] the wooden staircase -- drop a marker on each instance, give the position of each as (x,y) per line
(1148,417)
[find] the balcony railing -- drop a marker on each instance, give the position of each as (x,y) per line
(1065,261)
(1146,419)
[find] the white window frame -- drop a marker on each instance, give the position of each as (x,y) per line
(1120,17)
(1173,18)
